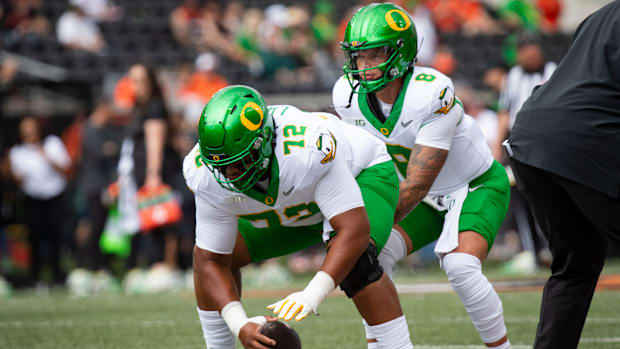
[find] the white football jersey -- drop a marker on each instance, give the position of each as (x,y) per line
(317,157)
(428,113)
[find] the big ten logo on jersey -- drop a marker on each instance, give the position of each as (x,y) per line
(236,199)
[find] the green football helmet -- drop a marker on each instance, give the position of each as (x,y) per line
(380,25)
(235,129)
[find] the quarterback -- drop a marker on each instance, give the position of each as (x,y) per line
(451,189)
(272,181)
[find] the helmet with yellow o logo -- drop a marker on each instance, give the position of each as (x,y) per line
(380,25)
(235,126)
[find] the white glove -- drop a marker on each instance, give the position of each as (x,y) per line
(305,302)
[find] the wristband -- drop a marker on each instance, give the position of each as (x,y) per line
(320,286)
(235,316)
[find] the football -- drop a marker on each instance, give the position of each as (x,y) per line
(285,336)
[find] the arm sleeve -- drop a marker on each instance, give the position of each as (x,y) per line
(63,30)
(57,152)
(15,164)
(438,132)
(337,191)
(216,230)
(504,94)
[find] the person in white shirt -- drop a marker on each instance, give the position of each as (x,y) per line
(76,30)
(531,70)
(39,166)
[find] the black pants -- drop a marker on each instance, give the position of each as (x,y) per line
(45,223)
(88,252)
(578,221)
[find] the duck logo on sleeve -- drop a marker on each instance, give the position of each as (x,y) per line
(326,144)
(446,96)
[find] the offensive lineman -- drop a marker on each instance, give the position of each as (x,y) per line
(439,151)
(280,177)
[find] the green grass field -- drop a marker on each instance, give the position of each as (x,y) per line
(170,321)
(436,320)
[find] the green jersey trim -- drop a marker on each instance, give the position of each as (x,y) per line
(271,196)
(387,127)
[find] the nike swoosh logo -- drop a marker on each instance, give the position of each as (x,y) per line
(474,188)
(286,193)
(405,124)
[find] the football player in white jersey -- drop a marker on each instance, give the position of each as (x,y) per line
(268,182)
(451,189)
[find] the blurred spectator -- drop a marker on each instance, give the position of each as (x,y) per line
(322,24)
(155,162)
(427,34)
(185,22)
(466,16)
(100,10)
(247,39)
(76,30)
(124,94)
(8,69)
(287,45)
(21,17)
(444,60)
(231,18)
(38,165)
(495,78)
(550,11)
(203,82)
(214,36)
(97,169)
(520,14)
(531,70)
(196,86)
(473,105)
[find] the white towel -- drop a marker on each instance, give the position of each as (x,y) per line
(453,203)
(129,222)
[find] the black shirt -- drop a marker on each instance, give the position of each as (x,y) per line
(154,108)
(570,125)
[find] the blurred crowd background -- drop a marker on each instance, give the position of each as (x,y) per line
(75,75)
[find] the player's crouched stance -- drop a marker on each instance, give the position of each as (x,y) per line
(267,182)
(452,190)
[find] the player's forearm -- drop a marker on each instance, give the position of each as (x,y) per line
(346,247)
(409,197)
(342,255)
(155,138)
(503,126)
(214,284)
(425,163)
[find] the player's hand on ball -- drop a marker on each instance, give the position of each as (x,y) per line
(251,336)
(286,337)
(297,304)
